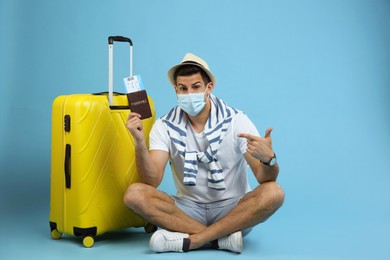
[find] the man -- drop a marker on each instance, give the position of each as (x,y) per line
(209,145)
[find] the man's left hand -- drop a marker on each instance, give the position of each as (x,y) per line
(259,147)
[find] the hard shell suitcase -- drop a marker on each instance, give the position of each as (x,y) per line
(93,163)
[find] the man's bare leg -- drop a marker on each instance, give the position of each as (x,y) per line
(158,208)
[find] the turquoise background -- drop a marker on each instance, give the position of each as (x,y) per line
(318,72)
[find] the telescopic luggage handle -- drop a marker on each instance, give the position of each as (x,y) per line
(111,40)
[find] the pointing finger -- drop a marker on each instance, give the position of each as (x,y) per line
(247,136)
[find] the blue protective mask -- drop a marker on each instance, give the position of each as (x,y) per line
(192,103)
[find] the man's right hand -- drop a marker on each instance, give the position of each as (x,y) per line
(134,124)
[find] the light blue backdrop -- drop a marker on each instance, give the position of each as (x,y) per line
(318,72)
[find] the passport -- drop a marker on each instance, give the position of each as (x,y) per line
(139,103)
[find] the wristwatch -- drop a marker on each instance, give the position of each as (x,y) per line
(271,162)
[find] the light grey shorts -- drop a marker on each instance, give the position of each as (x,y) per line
(207,213)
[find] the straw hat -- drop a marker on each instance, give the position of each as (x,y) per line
(192,59)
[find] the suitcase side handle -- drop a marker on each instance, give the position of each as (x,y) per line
(111,40)
(67,166)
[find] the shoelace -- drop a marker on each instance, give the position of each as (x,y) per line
(225,242)
(174,243)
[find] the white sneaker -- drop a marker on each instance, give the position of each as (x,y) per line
(232,242)
(166,241)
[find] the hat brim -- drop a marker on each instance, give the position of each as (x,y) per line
(172,71)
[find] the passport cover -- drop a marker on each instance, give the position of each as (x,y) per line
(139,103)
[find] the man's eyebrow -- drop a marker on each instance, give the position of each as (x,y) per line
(198,82)
(193,84)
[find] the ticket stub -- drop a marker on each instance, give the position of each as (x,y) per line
(133,83)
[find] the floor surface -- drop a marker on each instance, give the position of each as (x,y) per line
(25,235)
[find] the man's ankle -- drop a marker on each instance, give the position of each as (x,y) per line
(195,243)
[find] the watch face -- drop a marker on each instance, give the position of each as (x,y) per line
(273,161)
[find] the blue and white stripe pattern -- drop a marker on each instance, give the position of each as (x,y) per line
(217,124)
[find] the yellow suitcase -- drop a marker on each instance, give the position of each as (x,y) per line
(92,164)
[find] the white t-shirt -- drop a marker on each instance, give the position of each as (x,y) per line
(230,156)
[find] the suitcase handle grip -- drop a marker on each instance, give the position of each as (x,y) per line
(112,39)
(67,166)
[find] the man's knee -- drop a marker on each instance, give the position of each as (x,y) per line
(135,196)
(268,195)
(275,194)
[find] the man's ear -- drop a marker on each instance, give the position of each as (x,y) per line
(210,86)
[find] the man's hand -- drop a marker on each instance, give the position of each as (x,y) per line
(258,147)
(134,124)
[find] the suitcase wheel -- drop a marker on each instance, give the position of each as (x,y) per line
(150,228)
(55,234)
(88,241)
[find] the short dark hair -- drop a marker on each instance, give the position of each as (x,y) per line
(189,70)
